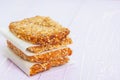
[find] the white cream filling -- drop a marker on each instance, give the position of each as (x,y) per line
(21,44)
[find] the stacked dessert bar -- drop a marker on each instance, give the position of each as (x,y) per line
(48,44)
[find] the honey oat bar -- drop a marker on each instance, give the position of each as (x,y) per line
(33,68)
(42,58)
(39,30)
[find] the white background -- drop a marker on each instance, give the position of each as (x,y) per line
(95,30)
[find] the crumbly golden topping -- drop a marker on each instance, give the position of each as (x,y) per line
(38,25)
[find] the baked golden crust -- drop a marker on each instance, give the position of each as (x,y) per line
(45,66)
(42,58)
(39,48)
(39,30)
